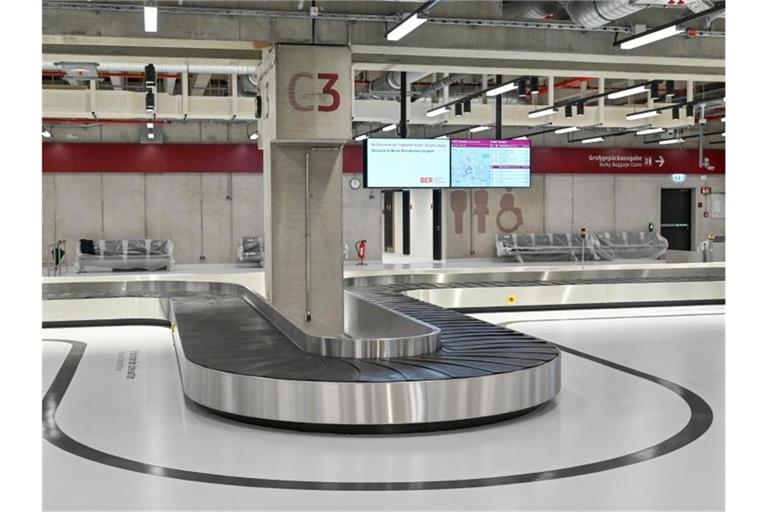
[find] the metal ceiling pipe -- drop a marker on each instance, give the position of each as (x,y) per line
(599,12)
(439,85)
(530,10)
(223,69)
(390,82)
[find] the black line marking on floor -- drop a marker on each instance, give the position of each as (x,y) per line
(699,422)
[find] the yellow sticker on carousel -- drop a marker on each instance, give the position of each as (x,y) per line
(511,299)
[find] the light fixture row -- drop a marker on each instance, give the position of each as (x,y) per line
(668,30)
(462,106)
(384,128)
(150,16)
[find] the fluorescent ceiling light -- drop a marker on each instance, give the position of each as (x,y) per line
(389,127)
(522,137)
(511,86)
(643,114)
(406,26)
(480,128)
(671,141)
(150,19)
(150,136)
(627,92)
(437,111)
(543,112)
(361,137)
(442,137)
(594,139)
(150,125)
(46,133)
(652,36)
(254,136)
(567,130)
(649,131)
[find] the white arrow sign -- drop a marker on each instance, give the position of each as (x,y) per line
(660,161)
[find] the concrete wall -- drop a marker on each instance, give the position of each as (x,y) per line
(303,278)
(567,202)
(473,217)
(191,209)
(421,224)
(362,218)
(170,205)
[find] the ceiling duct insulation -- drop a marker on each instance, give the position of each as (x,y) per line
(133,67)
(248,85)
(600,12)
(590,14)
(532,10)
(389,83)
(439,85)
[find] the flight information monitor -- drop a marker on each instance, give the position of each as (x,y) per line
(490,163)
(407,163)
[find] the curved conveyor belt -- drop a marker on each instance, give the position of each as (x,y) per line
(235,362)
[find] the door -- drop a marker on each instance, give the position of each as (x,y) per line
(389,239)
(406,203)
(437,224)
(676,217)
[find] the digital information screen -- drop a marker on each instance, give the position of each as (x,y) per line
(490,163)
(407,163)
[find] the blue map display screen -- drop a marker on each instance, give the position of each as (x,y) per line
(490,163)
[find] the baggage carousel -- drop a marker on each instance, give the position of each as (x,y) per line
(405,364)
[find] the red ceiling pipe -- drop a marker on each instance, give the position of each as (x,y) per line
(566,83)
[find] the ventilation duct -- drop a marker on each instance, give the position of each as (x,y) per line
(439,85)
(248,85)
(389,83)
(531,10)
(590,14)
(132,67)
(600,12)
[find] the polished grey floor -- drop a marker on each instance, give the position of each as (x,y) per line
(601,413)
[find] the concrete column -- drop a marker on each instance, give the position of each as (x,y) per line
(307,92)
(305,273)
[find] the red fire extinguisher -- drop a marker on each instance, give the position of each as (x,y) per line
(360,246)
